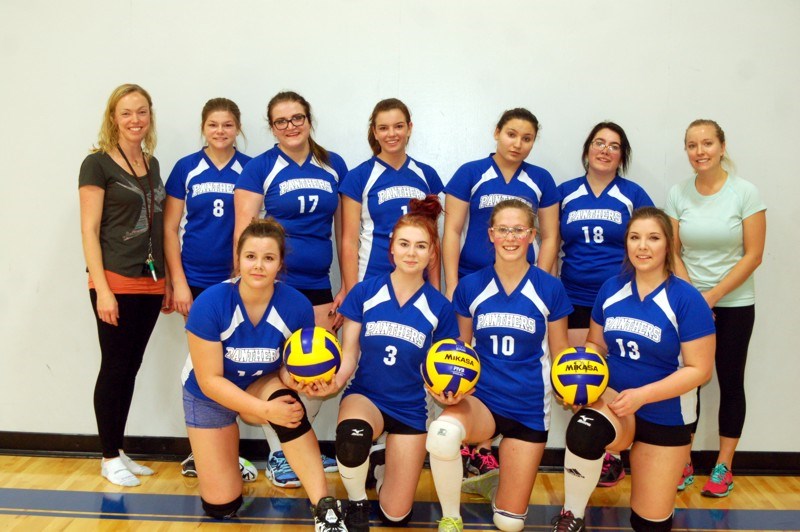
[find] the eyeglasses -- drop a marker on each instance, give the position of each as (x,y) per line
(283,123)
(517,232)
(601,145)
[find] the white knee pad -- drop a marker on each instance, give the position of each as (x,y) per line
(444,438)
(508,521)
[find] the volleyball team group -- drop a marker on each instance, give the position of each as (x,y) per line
(530,268)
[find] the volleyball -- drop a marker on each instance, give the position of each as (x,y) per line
(451,366)
(579,376)
(312,354)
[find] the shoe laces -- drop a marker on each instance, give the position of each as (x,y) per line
(563,522)
(606,465)
(465,451)
(488,461)
(718,473)
(280,465)
(451,523)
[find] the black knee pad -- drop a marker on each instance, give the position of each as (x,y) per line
(353,440)
(388,521)
(589,433)
(640,524)
(222,511)
(285,433)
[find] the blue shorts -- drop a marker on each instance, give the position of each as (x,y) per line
(204,414)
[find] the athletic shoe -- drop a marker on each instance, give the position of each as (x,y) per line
(116,473)
(566,522)
(248,470)
(133,467)
(482,462)
(328,516)
(187,467)
(451,524)
(280,472)
(357,516)
(687,477)
(613,471)
(329,464)
(484,485)
(377,458)
(720,484)
(466,456)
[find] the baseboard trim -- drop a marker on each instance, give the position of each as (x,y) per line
(175,449)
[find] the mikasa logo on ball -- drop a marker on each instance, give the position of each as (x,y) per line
(582,366)
(450,357)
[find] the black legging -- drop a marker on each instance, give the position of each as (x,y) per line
(121,349)
(734,329)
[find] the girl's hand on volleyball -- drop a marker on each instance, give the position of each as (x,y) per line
(628,402)
(289,382)
(449,398)
(285,411)
(321,388)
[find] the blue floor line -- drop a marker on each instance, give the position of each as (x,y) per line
(278,510)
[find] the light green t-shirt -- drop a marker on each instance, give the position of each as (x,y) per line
(711,233)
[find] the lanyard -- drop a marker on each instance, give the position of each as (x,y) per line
(149,209)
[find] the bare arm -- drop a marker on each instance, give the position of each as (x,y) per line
(557,336)
(464,329)
(351,229)
(182,297)
(595,340)
(551,238)
(351,351)
(754,229)
(91,200)
(454,218)
(680,267)
(338,299)
(247,205)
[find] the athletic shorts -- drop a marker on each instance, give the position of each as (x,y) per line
(662,435)
(196,291)
(318,296)
(393,426)
(510,428)
(204,414)
(580,317)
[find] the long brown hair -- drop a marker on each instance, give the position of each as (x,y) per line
(319,153)
(222,104)
(388,104)
(266,228)
(652,213)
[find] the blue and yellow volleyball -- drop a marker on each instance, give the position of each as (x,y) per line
(451,366)
(579,376)
(311,354)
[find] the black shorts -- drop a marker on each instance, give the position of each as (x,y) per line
(580,317)
(317,296)
(393,426)
(510,428)
(196,291)
(662,435)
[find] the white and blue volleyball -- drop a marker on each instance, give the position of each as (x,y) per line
(312,354)
(451,366)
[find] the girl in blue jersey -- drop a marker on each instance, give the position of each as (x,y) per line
(236,330)
(595,210)
(515,315)
(377,192)
(391,320)
(297,183)
(198,215)
(658,336)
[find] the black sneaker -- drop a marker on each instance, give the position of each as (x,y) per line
(187,467)
(357,516)
(328,516)
(482,461)
(566,522)
(613,471)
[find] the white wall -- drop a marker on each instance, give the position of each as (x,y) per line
(652,67)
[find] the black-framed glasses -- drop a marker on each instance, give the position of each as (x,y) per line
(601,145)
(282,123)
(517,232)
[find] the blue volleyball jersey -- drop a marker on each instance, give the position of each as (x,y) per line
(481,184)
(394,340)
(384,193)
(593,233)
(644,338)
(303,198)
(206,227)
(510,337)
(249,351)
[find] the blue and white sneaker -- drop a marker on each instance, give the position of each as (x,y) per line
(280,472)
(329,464)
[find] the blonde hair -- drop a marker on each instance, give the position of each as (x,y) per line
(108,138)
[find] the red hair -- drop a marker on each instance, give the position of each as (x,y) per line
(423,213)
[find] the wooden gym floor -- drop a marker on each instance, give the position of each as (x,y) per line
(69,494)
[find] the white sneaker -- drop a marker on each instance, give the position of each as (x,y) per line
(116,473)
(133,467)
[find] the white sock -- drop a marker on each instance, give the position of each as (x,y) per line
(312,404)
(133,467)
(116,473)
(447,479)
(354,480)
(580,479)
(272,438)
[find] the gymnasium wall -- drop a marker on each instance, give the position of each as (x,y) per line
(650,66)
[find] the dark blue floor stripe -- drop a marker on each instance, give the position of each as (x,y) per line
(274,510)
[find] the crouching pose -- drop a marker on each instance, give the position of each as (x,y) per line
(235,331)
(391,320)
(658,335)
(515,315)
